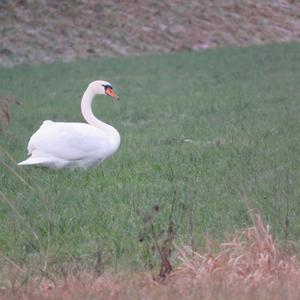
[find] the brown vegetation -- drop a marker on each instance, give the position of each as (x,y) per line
(5,108)
(45,31)
(250,265)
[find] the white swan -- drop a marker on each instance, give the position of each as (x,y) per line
(75,145)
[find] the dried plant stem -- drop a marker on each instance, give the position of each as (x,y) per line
(191,220)
(98,264)
(166,266)
(287,212)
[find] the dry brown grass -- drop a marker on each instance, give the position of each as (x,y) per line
(249,265)
(44,31)
(5,108)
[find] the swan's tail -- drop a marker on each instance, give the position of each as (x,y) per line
(35,161)
(44,161)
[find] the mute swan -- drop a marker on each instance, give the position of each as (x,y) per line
(75,145)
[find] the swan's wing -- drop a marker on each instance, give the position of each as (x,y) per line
(69,141)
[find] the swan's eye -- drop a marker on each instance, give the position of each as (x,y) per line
(106,86)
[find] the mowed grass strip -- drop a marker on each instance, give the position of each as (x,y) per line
(218,130)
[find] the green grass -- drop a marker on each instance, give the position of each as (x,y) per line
(217,129)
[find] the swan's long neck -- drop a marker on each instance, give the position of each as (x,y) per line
(86,110)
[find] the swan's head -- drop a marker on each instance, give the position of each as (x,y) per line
(102,87)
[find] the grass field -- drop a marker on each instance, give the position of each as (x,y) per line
(211,132)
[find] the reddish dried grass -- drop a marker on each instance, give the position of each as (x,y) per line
(248,266)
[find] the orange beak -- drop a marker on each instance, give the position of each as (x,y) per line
(109,92)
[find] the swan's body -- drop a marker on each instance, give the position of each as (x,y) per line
(75,145)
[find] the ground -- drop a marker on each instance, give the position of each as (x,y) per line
(46,31)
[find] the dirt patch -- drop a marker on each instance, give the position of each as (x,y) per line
(46,31)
